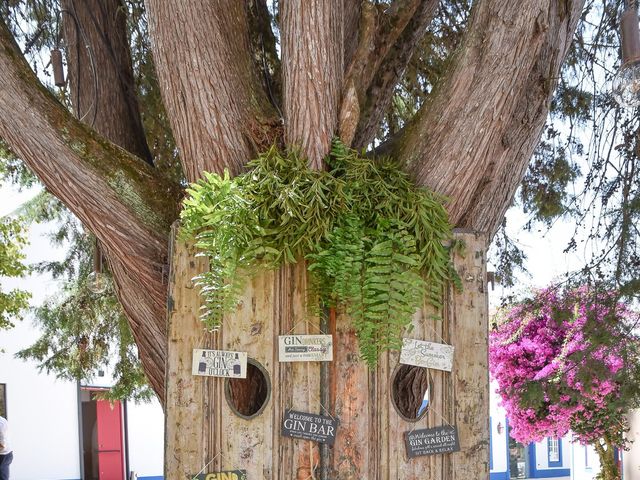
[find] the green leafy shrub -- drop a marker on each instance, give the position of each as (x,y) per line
(375,243)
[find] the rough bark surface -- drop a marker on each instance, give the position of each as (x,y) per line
(115,194)
(100,74)
(313,48)
(473,140)
(401,43)
(218,111)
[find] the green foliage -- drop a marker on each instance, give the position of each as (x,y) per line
(12,240)
(375,242)
(81,332)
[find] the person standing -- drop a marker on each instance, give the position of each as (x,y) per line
(6,455)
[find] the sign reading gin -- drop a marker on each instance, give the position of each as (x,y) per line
(219,363)
(308,426)
(426,354)
(226,475)
(432,441)
(305,348)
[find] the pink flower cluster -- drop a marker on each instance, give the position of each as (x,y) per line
(558,361)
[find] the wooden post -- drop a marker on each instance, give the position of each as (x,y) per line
(202,428)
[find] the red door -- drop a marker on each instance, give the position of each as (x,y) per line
(109,426)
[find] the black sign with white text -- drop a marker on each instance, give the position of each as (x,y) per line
(308,426)
(432,441)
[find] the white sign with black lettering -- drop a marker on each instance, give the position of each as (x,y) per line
(426,354)
(219,363)
(305,348)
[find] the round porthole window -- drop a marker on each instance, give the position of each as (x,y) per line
(411,392)
(247,397)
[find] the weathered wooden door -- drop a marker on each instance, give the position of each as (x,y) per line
(205,435)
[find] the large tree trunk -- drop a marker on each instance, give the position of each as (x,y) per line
(471,141)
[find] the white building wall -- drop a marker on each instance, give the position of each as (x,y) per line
(42,413)
(499,460)
(631,458)
(585,465)
(146,439)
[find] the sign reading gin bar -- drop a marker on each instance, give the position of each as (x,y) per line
(305,348)
(308,426)
(426,354)
(432,441)
(226,475)
(219,363)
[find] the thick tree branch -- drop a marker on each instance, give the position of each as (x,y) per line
(389,72)
(101,74)
(218,110)
(312,52)
(115,194)
(386,43)
(104,96)
(473,139)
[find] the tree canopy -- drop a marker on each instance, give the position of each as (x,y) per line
(467,97)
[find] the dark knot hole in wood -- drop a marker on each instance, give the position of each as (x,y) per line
(248,397)
(409,385)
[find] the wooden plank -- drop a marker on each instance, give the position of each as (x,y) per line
(201,428)
(202,432)
(363,398)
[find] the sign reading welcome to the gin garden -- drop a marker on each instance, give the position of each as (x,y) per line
(432,441)
(226,475)
(219,363)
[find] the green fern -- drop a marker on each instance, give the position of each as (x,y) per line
(375,242)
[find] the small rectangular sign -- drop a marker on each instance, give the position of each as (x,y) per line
(308,426)
(305,348)
(219,363)
(226,475)
(432,441)
(426,354)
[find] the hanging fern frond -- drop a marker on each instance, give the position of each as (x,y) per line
(375,242)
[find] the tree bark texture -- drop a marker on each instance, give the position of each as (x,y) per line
(203,429)
(312,44)
(103,96)
(100,74)
(116,195)
(219,113)
(473,140)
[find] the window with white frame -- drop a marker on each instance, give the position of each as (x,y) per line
(554,450)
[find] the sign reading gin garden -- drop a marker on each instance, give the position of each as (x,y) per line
(432,441)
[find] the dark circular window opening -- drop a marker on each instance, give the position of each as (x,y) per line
(411,392)
(247,397)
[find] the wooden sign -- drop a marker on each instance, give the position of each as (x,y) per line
(426,354)
(432,441)
(305,348)
(308,426)
(226,475)
(219,363)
